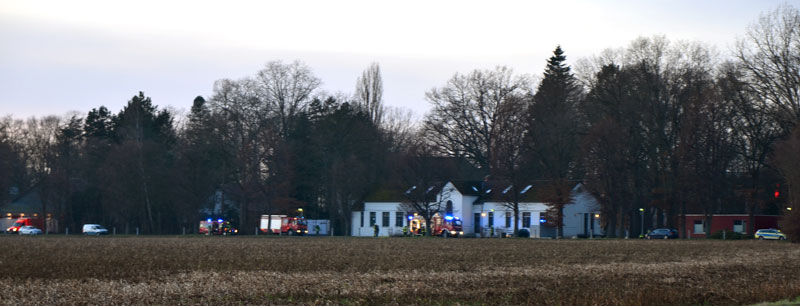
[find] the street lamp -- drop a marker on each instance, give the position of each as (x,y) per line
(641,213)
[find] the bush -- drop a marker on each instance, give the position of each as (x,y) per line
(524,233)
(729,235)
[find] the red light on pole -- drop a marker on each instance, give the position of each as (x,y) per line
(777,194)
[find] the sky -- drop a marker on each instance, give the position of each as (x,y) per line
(62,56)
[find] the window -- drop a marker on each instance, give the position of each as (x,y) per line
(526,219)
(362,218)
(449,208)
(491,219)
(738,226)
(398,219)
(385,219)
(372,218)
(508,219)
(698,227)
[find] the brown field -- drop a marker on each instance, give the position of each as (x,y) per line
(323,270)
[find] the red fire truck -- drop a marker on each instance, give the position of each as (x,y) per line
(294,226)
(24,221)
(286,225)
(448,225)
(217,227)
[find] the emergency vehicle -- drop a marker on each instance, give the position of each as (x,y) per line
(445,226)
(216,227)
(25,221)
(294,226)
(281,224)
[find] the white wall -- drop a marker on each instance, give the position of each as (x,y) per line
(379,208)
(500,210)
(582,203)
(462,205)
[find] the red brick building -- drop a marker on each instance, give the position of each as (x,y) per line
(695,223)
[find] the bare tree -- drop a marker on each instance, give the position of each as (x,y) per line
(40,137)
(509,162)
(398,128)
(770,53)
(465,114)
(249,132)
(285,90)
(754,132)
(9,160)
(369,93)
(788,164)
(423,176)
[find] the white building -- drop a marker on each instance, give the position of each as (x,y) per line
(482,206)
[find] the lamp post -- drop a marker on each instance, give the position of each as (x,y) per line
(641,214)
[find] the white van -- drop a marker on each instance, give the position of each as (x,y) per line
(94,229)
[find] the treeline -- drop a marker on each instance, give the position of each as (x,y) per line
(668,127)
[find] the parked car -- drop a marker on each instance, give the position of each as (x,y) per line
(769,233)
(29,230)
(94,229)
(662,233)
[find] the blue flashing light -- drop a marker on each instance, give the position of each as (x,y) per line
(542,220)
(219,220)
(448,218)
(208,220)
(457,218)
(410,217)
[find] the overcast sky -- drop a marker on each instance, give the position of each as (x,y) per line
(60,56)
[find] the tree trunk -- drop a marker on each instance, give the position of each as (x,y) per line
(611,225)
(707,225)
(516,218)
(561,221)
(683,233)
(751,218)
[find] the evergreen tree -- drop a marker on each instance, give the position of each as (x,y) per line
(200,164)
(140,167)
(554,129)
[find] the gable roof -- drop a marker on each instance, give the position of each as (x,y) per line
(502,191)
(396,193)
(487,191)
(386,194)
(533,191)
(29,202)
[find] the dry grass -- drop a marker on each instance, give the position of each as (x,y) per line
(308,270)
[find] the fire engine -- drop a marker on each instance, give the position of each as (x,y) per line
(440,226)
(23,221)
(286,225)
(217,227)
(294,226)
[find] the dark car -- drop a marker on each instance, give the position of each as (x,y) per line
(662,233)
